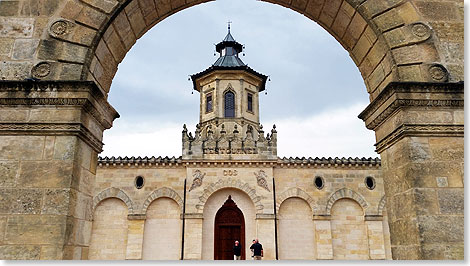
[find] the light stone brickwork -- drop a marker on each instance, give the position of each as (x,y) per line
(386,231)
(305,214)
(135,239)
(162,235)
(349,233)
(323,241)
(109,233)
(296,230)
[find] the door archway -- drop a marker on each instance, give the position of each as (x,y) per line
(229,226)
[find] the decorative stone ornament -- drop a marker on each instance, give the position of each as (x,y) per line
(197,181)
(60,28)
(421,30)
(261,179)
(438,73)
(41,70)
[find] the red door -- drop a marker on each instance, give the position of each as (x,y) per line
(229,227)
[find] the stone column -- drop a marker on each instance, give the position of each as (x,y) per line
(135,236)
(50,135)
(323,241)
(265,234)
(419,130)
(193,236)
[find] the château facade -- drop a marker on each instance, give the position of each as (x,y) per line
(229,184)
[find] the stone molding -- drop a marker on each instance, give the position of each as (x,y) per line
(321,217)
(345,193)
(229,183)
(136,217)
(62,93)
(407,130)
(399,95)
(189,215)
(295,193)
(381,205)
(264,216)
(75,129)
(373,217)
(163,192)
(113,192)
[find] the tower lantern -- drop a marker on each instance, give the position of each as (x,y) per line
(229,108)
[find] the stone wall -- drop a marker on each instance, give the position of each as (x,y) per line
(162,231)
(109,233)
(296,232)
(305,216)
(348,229)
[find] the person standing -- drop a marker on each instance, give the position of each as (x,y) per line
(251,248)
(237,251)
(257,250)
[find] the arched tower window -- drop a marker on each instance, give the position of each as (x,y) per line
(229,104)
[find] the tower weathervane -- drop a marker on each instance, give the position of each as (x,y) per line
(229,22)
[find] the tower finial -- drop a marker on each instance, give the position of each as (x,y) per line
(229,22)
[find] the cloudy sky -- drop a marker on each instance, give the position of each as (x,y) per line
(314,96)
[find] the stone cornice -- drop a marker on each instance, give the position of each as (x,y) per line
(418,130)
(75,129)
(59,93)
(281,162)
(411,94)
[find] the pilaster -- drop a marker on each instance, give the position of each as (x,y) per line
(265,227)
(193,236)
(375,236)
(323,237)
(135,238)
(419,129)
(50,135)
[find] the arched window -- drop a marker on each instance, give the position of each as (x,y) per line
(229,104)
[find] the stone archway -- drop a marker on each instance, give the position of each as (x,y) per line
(229,226)
(410,55)
(113,193)
(345,193)
(213,204)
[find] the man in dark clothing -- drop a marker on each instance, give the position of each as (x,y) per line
(237,251)
(257,250)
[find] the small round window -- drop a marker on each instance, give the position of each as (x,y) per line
(319,182)
(139,182)
(370,182)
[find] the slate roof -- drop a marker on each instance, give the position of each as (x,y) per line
(229,62)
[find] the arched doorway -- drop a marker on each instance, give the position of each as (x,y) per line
(229,227)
